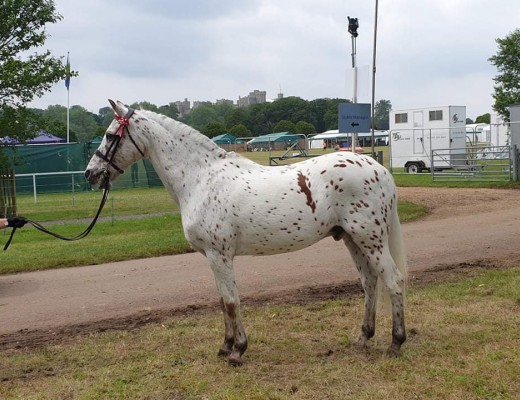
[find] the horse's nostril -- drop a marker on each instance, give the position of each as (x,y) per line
(87,173)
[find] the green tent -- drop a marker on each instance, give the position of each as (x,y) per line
(226,138)
(279,137)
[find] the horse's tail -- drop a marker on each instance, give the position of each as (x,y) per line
(398,253)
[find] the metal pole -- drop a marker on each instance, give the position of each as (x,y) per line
(374,80)
(68,100)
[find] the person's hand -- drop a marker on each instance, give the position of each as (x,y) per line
(16,222)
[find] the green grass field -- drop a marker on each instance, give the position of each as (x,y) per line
(158,225)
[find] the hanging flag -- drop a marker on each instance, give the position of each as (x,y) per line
(67,71)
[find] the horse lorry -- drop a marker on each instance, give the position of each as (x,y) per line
(416,135)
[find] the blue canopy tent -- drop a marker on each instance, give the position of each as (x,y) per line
(42,137)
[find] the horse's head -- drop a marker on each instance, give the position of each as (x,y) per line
(121,146)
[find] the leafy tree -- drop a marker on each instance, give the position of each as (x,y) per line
(318,108)
(144,105)
(170,110)
(382,114)
(83,123)
(304,128)
(105,116)
(236,116)
(284,126)
(240,130)
(469,121)
(258,121)
(507,82)
(25,73)
(199,117)
(214,128)
(483,119)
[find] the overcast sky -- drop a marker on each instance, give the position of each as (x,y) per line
(429,52)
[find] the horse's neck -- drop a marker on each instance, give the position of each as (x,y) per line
(181,156)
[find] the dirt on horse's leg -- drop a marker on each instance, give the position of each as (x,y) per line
(229,338)
(394,282)
(235,339)
(368,281)
(240,338)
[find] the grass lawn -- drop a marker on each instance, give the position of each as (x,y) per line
(463,343)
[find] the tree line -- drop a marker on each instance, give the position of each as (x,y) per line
(289,114)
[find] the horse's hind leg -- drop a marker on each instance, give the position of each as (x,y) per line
(368,281)
(235,339)
(394,282)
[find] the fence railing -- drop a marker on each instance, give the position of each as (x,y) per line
(487,163)
(73,181)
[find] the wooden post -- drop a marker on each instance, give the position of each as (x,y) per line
(7,193)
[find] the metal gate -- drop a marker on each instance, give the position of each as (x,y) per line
(486,164)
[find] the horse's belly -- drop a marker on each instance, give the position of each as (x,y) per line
(289,239)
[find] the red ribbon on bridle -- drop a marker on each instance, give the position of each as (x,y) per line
(123,123)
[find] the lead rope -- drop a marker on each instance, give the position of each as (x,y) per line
(123,126)
(83,234)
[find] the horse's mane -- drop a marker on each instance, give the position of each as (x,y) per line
(171,125)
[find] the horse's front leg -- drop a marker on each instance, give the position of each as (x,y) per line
(235,339)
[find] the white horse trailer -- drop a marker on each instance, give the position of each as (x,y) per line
(414,133)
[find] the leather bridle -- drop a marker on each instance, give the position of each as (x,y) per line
(108,157)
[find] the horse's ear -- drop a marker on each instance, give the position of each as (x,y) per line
(118,107)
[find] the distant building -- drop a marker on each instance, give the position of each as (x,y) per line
(201,103)
(225,101)
(183,107)
(255,97)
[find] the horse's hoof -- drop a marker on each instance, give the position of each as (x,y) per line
(235,360)
(362,343)
(224,352)
(394,351)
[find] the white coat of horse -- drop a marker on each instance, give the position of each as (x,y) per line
(233,206)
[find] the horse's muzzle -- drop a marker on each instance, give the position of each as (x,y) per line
(94,178)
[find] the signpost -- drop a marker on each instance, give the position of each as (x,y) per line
(354,117)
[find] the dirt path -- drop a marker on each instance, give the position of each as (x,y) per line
(467,229)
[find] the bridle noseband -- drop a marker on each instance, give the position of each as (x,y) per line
(119,133)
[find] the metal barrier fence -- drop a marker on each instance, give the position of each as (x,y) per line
(45,181)
(485,163)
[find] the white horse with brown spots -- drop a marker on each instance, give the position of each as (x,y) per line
(232,206)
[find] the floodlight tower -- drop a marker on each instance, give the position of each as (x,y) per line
(353,26)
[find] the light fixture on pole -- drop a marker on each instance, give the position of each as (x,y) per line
(374,80)
(353,25)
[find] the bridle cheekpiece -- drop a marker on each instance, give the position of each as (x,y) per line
(124,122)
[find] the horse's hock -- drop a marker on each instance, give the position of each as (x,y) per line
(7,193)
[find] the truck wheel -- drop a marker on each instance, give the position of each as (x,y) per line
(413,168)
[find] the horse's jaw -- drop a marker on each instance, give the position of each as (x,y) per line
(103,177)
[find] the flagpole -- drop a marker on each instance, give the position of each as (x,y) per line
(68,117)
(67,83)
